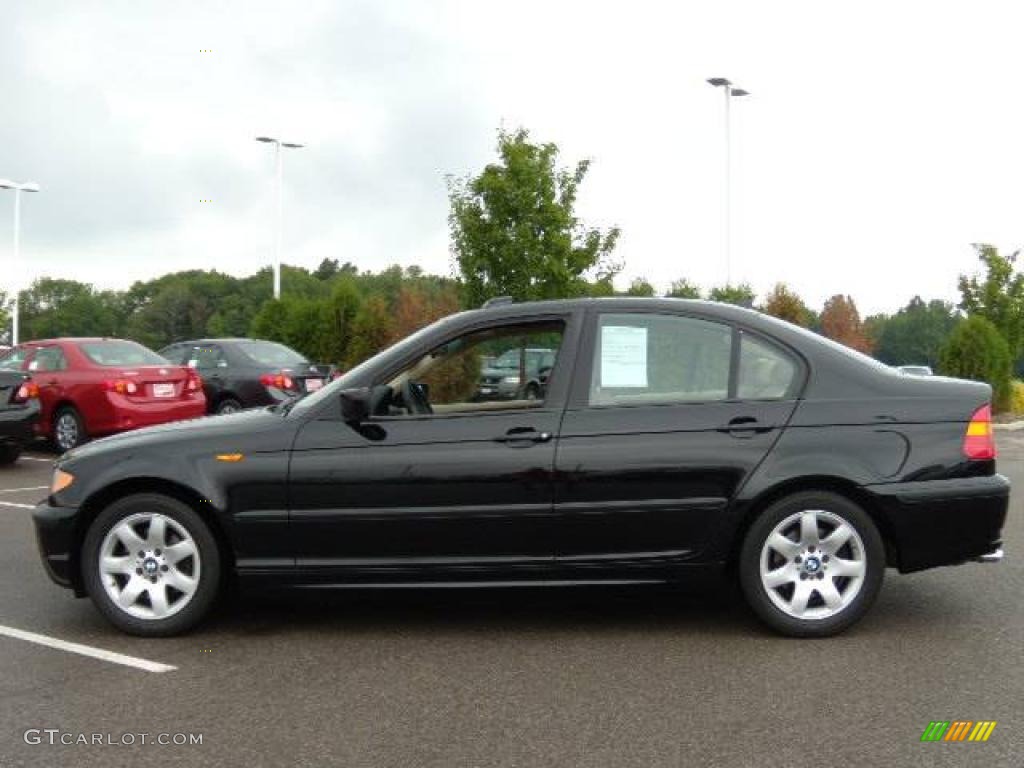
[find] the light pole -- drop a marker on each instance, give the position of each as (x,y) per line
(278,144)
(28,186)
(730,91)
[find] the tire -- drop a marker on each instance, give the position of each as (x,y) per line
(68,429)
(178,604)
(532,392)
(9,454)
(228,405)
(789,585)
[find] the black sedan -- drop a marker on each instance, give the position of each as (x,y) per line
(19,411)
(675,439)
(248,373)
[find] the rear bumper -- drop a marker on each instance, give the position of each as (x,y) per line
(55,534)
(122,414)
(943,522)
(17,425)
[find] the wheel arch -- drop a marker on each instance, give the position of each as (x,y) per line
(104,497)
(826,483)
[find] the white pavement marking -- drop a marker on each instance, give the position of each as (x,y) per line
(16,490)
(86,650)
(37,458)
(16,505)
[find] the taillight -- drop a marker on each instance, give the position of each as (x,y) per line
(194,383)
(27,391)
(278,380)
(979,443)
(121,386)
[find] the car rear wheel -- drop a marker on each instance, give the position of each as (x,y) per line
(812,564)
(228,405)
(68,429)
(151,565)
(9,454)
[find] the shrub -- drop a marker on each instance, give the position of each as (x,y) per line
(976,350)
(1017,396)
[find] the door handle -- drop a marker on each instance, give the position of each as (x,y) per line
(523,436)
(745,426)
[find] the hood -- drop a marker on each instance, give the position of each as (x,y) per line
(207,429)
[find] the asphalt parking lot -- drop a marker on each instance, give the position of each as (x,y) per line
(517,678)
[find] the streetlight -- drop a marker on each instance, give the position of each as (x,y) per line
(280,206)
(28,186)
(730,91)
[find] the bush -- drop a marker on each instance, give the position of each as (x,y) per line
(976,350)
(1017,396)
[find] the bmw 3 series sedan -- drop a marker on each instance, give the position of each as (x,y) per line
(674,440)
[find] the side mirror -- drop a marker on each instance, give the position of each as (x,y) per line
(355,405)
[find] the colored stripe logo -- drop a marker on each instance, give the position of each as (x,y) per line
(958,730)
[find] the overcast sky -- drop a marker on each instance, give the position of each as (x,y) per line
(881,139)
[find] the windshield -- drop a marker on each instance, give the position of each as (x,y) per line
(271,354)
(119,354)
(14,359)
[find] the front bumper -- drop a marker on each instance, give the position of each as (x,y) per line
(943,522)
(55,534)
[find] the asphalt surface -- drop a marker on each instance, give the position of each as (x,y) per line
(591,677)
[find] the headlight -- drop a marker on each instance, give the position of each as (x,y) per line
(61,480)
(510,380)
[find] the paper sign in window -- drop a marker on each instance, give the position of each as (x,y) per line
(623,356)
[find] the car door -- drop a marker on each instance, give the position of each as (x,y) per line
(464,492)
(661,433)
(48,368)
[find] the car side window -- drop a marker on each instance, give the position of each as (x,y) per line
(496,369)
(766,372)
(49,359)
(653,358)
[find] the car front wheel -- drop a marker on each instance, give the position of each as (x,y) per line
(812,564)
(151,565)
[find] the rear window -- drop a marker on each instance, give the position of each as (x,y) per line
(117,354)
(270,353)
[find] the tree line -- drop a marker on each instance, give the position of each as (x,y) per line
(514,231)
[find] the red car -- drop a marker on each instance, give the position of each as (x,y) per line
(94,387)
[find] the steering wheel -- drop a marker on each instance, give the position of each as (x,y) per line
(414,398)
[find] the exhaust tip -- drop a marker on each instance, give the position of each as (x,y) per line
(995,556)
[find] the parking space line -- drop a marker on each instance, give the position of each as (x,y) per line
(86,650)
(16,490)
(37,458)
(16,505)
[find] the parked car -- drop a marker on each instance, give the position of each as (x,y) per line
(676,440)
(500,376)
(916,370)
(89,387)
(248,373)
(19,411)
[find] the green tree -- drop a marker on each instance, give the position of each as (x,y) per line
(915,334)
(998,296)
(640,287)
(785,304)
(54,307)
(683,289)
(741,295)
(976,350)
(372,330)
(514,229)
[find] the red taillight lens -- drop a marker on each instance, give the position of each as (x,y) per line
(278,380)
(121,386)
(979,443)
(27,391)
(195,383)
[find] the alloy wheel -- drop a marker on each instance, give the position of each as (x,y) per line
(813,564)
(149,566)
(66,431)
